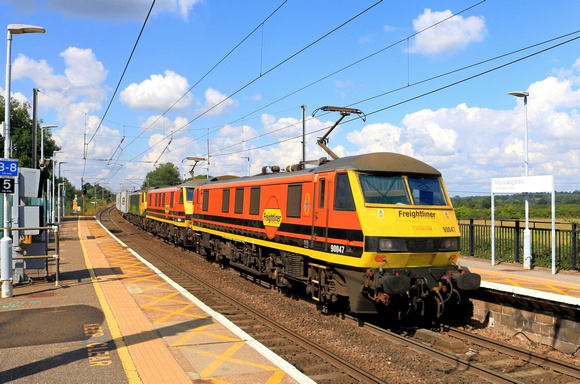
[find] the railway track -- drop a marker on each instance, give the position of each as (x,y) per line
(325,367)
(306,356)
(524,363)
(503,363)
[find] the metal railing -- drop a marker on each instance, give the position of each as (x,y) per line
(55,257)
(476,241)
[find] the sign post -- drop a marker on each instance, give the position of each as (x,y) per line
(508,185)
(8,172)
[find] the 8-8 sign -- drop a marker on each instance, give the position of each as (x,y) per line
(6,185)
(8,167)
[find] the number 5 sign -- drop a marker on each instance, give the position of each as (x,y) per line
(6,185)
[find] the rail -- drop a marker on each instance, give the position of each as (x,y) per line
(526,355)
(476,241)
(56,256)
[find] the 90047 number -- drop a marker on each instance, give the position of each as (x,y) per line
(448,229)
(337,248)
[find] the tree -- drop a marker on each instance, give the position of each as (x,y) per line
(164,174)
(21,134)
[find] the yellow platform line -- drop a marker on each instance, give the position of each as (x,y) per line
(558,290)
(126,360)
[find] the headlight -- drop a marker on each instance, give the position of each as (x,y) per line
(392,245)
(449,244)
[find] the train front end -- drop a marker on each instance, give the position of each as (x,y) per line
(411,239)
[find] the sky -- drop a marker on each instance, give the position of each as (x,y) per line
(131,86)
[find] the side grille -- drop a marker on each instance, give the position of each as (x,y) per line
(295,265)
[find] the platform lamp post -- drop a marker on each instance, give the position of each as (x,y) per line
(58,201)
(58,198)
(42,162)
(53,194)
(527,234)
(42,127)
(247,158)
(6,242)
(61,205)
(59,211)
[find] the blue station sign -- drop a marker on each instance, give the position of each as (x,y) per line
(8,167)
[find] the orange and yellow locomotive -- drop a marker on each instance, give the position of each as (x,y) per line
(376,231)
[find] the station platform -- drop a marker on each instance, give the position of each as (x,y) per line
(562,287)
(115,319)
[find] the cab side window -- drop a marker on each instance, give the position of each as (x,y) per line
(343,200)
(293,201)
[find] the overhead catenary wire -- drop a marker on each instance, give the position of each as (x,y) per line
(425,80)
(84,111)
(124,71)
(279,64)
(415,97)
(366,57)
(336,72)
(134,138)
(210,70)
(119,82)
(414,84)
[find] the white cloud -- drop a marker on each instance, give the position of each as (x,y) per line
(449,36)
(84,78)
(185,6)
(380,138)
(83,69)
(217,104)
(158,93)
(166,149)
(18,96)
(38,71)
(80,89)
(166,126)
(237,134)
(284,128)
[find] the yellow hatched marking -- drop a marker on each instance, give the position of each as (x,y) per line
(160,286)
(276,377)
(119,257)
(128,263)
(513,283)
(157,300)
(174,313)
(558,290)
(220,359)
(201,330)
(136,276)
(226,356)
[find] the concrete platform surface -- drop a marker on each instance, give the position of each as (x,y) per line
(562,287)
(116,319)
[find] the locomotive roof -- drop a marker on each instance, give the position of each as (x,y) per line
(380,162)
(371,162)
